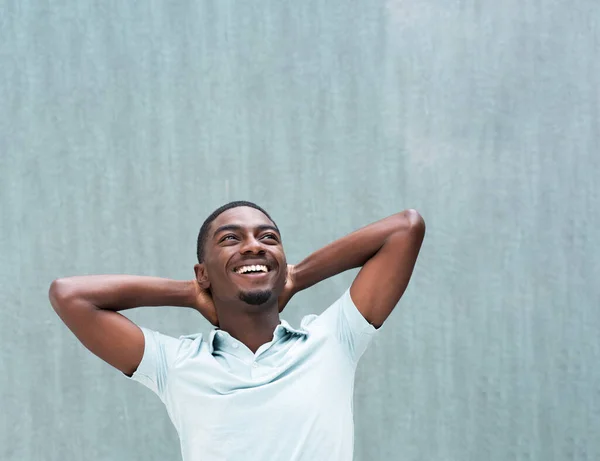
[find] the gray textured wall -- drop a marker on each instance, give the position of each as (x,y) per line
(123,124)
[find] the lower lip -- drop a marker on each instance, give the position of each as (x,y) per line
(256,275)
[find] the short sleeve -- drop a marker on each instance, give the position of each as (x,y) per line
(348,325)
(160,351)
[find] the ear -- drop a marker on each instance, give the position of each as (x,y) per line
(202,276)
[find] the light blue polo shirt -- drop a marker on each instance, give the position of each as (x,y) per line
(289,401)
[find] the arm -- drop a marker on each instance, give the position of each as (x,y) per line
(386,250)
(88,305)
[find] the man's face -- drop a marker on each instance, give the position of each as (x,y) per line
(238,239)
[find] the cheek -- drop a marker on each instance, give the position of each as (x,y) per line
(217,273)
(281,259)
(281,279)
(222,285)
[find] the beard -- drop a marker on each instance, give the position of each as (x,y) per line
(255,298)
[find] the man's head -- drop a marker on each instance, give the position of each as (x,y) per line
(240,255)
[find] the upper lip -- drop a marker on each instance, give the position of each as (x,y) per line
(253,263)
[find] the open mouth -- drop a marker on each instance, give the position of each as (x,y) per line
(253,270)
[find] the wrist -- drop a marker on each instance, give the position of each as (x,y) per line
(191,292)
(301,276)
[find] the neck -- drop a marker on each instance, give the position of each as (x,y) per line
(251,325)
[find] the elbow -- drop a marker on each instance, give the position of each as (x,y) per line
(413,222)
(409,226)
(417,223)
(60,293)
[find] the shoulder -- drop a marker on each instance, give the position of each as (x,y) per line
(342,313)
(172,348)
(343,322)
(194,337)
(157,336)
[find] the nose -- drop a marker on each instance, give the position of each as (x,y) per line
(251,245)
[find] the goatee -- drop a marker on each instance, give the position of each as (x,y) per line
(255,298)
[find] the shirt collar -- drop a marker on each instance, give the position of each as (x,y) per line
(280,331)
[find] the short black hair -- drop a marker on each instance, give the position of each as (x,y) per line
(203,234)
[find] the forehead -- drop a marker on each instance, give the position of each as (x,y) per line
(244,216)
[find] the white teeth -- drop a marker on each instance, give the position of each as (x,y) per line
(253,268)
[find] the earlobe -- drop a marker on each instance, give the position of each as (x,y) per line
(202,276)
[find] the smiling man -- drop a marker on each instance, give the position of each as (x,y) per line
(255,388)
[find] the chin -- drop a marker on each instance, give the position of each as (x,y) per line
(255,297)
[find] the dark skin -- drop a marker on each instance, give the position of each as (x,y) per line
(386,251)
(244,236)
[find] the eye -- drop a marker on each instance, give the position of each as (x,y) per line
(227,237)
(270,236)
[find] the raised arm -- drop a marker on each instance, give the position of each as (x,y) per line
(88,305)
(386,250)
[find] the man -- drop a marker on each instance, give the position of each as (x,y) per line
(255,389)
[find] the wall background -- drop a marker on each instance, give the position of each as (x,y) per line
(124,124)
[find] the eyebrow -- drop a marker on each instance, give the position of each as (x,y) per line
(235,227)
